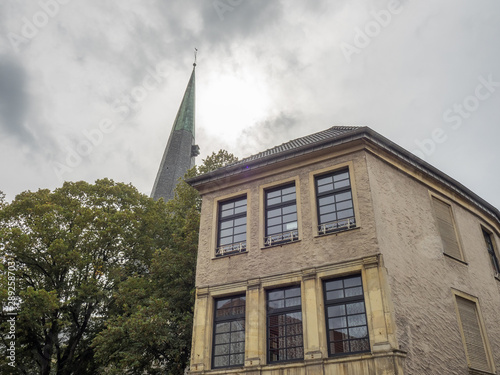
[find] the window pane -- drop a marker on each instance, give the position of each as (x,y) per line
(327,218)
(226,213)
(343,196)
(239,210)
(338,334)
(355,308)
(276,295)
(356,320)
(352,281)
(227,206)
(239,237)
(335,294)
(222,327)
(335,284)
(324,180)
(341,184)
(222,338)
(274,213)
(341,176)
(288,197)
(240,229)
(237,359)
(273,201)
(274,221)
(360,345)
(340,347)
(351,292)
(242,202)
(292,292)
(335,323)
(358,332)
(344,205)
(221,361)
(325,188)
(240,221)
(338,310)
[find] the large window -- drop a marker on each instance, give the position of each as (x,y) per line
(334,202)
(232,226)
(284,325)
(473,335)
(446,226)
(347,328)
(281,215)
(491,251)
(229,332)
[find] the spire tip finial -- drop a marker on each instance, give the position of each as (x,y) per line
(195,52)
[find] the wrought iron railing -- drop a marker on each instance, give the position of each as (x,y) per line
(280,238)
(336,226)
(233,248)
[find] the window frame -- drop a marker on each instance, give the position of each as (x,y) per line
(321,228)
(242,248)
(294,233)
(344,301)
(492,250)
(228,319)
(283,311)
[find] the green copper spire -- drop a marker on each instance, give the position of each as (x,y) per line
(185,116)
(181,148)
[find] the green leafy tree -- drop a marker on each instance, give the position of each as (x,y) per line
(151,331)
(71,249)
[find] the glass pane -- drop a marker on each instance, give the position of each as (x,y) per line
(240,229)
(360,345)
(274,230)
(276,294)
(335,294)
(334,284)
(339,347)
(221,361)
(237,336)
(327,209)
(240,221)
(273,194)
(343,196)
(240,237)
(341,184)
(335,323)
(242,202)
(274,221)
(345,213)
(226,224)
(356,308)
(222,338)
(227,213)
(221,349)
(358,332)
(356,320)
(338,334)
(289,209)
(293,292)
(341,176)
(288,197)
(326,200)
(222,327)
(344,205)
(324,180)
(334,311)
(351,292)
(292,318)
(295,353)
(226,241)
(272,201)
(325,188)
(239,210)
(289,218)
(327,218)
(237,347)
(237,359)
(226,232)
(274,213)
(352,281)
(222,302)
(278,304)
(290,226)
(288,190)
(227,206)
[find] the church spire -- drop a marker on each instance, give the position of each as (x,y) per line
(181,149)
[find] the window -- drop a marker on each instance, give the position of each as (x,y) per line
(446,228)
(229,332)
(281,215)
(284,324)
(232,227)
(347,328)
(472,335)
(491,251)
(334,202)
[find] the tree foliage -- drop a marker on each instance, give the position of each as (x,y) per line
(104,277)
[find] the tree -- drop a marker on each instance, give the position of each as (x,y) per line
(151,331)
(71,249)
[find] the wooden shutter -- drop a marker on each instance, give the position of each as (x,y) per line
(474,343)
(447,228)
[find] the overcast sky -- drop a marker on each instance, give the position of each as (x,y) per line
(89,89)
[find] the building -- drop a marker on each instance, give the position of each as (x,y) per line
(181,148)
(342,253)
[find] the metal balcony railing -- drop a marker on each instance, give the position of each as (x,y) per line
(336,226)
(233,248)
(280,238)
